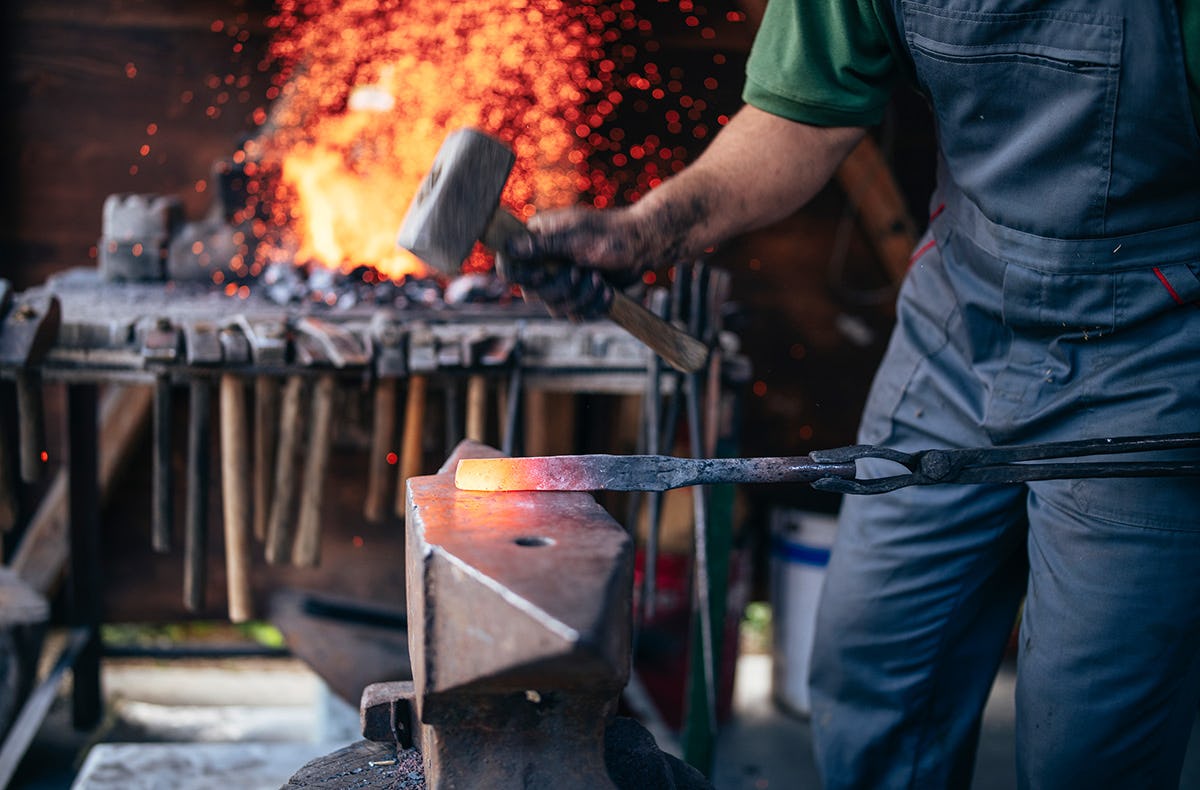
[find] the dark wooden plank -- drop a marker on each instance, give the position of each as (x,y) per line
(20,604)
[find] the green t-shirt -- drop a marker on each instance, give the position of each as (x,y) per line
(835,63)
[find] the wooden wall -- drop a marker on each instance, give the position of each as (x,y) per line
(84,80)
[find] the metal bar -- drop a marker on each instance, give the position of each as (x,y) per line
(184,651)
(33,712)
(652,433)
(162,507)
(600,472)
(195,568)
(452,416)
(83,514)
(512,403)
(699,734)
(1070,449)
(1014,473)
(30,424)
(702,593)
(991,464)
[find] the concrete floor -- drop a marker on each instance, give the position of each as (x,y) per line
(250,724)
(767,748)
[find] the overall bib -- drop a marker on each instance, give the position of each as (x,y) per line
(1055,296)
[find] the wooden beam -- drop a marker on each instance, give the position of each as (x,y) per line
(870,186)
(42,555)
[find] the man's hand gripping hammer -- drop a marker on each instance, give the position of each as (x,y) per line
(458,203)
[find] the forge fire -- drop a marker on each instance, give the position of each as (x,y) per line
(362,93)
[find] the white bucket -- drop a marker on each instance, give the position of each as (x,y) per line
(800,544)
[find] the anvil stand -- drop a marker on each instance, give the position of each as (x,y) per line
(520,620)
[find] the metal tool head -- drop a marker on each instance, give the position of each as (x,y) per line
(456,199)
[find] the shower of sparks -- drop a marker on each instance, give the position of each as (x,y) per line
(363,92)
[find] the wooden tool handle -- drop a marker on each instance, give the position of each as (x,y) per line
(279,521)
(383,438)
(681,351)
(266,402)
(476,407)
(307,550)
(869,184)
(235,497)
(413,433)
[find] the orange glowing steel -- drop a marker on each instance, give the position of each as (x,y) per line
(501,474)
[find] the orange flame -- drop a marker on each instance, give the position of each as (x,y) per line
(370,89)
(364,92)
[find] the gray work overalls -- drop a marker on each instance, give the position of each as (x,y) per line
(1056,296)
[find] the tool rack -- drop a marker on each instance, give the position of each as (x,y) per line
(83,330)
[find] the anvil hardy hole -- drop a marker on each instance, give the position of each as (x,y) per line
(533,540)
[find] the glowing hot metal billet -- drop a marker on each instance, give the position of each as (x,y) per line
(635,472)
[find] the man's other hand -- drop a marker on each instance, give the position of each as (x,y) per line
(572,258)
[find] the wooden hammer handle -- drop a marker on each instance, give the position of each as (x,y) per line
(681,351)
(279,520)
(235,496)
(411,439)
(383,440)
(306,551)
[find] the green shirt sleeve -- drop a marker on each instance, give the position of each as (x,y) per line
(1189,21)
(823,62)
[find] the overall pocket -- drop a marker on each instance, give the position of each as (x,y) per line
(1015,95)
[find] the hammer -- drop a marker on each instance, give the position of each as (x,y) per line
(458,203)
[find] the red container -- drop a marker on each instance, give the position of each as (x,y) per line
(662,655)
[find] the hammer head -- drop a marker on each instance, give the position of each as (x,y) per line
(456,199)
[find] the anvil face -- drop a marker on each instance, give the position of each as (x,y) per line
(515,590)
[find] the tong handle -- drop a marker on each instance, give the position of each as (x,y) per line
(1003,464)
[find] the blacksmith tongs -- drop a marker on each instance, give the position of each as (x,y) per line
(1008,464)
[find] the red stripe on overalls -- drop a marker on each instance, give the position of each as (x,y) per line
(1162,278)
(1166,284)
(926,247)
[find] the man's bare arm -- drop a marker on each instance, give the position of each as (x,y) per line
(759,169)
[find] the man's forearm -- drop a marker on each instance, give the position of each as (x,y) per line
(759,169)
